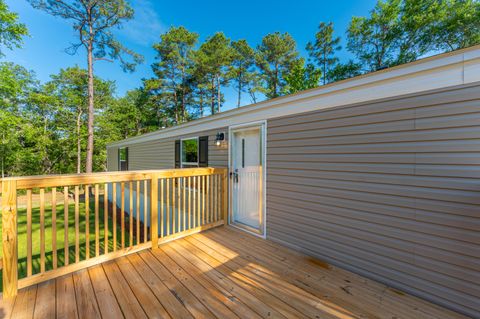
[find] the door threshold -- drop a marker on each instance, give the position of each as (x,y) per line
(248,229)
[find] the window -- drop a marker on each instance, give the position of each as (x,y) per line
(189,152)
(123,159)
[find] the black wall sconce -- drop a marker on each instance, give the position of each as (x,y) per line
(219,138)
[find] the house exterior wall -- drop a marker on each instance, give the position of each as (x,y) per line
(390,190)
(160,153)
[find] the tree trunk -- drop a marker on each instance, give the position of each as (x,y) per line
(213,96)
(79,143)
(219,97)
(91,110)
(239,91)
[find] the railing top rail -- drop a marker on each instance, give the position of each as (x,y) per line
(39,181)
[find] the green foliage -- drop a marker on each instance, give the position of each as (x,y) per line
(11,31)
(93,21)
(276,56)
(242,69)
(343,71)
(212,60)
(302,77)
(173,70)
(323,50)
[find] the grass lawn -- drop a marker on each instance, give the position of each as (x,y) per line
(22,236)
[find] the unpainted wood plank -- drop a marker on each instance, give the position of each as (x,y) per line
(171,303)
(107,302)
(97,221)
(304,302)
(150,304)
(66,300)
(66,244)
(114,216)
(137,213)
(54,227)
(122,214)
(87,222)
(281,308)
(45,304)
(130,215)
(194,306)
(145,203)
(126,299)
(6,306)
(105,219)
(29,232)
(77,224)
(86,302)
(226,292)
(25,303)
(216,307)
(42,230)
(274,270)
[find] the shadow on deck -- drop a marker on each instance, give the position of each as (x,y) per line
(222,273)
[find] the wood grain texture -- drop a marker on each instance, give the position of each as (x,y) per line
(223,273)
(9,238)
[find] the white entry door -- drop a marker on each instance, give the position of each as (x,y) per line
(246,177)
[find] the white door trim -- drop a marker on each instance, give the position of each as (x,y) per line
(263,135)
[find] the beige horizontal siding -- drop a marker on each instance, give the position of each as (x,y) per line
(160,153)
(389,189)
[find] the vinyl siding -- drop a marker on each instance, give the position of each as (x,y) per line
(159,154)
(390,190)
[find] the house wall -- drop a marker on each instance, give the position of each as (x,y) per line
(160,153)
(390,190)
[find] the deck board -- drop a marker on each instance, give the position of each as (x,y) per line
(220,273)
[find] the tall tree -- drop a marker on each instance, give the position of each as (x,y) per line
(212,60)
(174,55)
(11,31)
(374,39)
(302,77)
(343,71)
(276,56)
(94,20)
(323,50)
(242,68)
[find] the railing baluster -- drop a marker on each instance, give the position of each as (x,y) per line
(184,210)
(174,205)
(203,200)
(87,222)
(42,230)
(207,203)
(105,218)
(189,202)
(65,227)
(77,224)
(54,227)
(168,205)
(122,216)
(154,210)
(114,215)
(162,208)
(29,232)
(130,214)
(137,213)
(97,222)
(199,199)
(145,203)
(225,197)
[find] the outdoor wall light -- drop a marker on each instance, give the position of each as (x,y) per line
(219,138)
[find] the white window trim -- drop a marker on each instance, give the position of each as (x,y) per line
(182,163)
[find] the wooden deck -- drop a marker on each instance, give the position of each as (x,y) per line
(222,273)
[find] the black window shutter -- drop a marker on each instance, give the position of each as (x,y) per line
(203,151)
(127,159)
(118,160)
(177,154)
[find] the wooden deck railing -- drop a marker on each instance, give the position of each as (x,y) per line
(64,223)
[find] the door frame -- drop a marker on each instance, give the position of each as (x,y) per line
(262,231)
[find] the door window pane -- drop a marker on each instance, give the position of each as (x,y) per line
(190,152)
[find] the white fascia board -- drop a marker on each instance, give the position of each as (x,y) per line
(441,71)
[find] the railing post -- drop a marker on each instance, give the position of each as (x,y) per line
(154,211)
(225,197)
(9,238)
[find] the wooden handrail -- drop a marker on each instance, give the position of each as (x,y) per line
(180,201)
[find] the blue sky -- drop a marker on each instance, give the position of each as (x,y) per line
(44,53)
